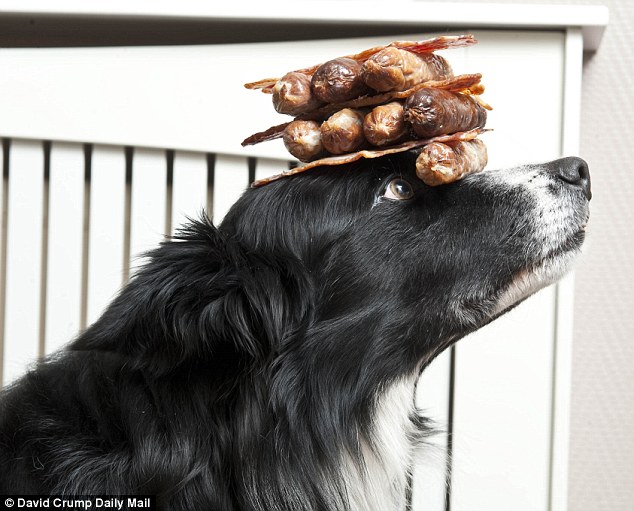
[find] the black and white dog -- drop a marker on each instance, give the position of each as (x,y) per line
(269,364)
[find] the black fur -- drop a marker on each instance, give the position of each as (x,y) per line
(238,364)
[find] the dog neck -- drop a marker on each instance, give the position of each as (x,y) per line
(379,480)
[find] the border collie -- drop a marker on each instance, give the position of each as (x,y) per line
(269,363)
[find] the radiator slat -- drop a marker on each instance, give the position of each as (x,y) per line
(231,179)
(65,237)
(107,224)
(24,255)
(432,399)
(189,187)
(149,190)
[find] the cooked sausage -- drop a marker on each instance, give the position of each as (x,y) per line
(342,132)
(303,140)
(397,69)
(292,94)
(440,163)
(385,124)
(338,80)
(433,112)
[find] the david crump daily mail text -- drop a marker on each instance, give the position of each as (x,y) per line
(79,503)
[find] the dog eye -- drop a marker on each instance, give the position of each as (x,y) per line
(398,189)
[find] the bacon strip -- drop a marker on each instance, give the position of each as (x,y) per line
(348,158)
(264,136)
(427,46)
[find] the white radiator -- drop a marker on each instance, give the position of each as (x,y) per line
(141,137)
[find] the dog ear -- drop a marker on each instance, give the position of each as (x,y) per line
(201,296)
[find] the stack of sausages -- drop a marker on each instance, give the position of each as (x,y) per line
(386,99)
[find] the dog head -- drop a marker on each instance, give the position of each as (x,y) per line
(437,261)
(361,262)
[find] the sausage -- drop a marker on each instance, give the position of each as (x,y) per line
(292,94)
(342,132)
(440,163)
(338,80)
(433,112)
(385,124)
(397,69)
(303,140)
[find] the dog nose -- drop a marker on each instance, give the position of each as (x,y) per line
(574,171)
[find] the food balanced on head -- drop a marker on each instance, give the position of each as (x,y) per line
(383,100)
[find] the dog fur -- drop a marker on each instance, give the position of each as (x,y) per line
(269,364)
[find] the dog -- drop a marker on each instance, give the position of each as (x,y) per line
(269,363)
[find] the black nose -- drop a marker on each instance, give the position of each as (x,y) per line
(574,171)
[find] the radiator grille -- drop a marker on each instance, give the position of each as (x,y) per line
(76,219)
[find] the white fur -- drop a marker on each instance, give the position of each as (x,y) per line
(527,283)
(378,482)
